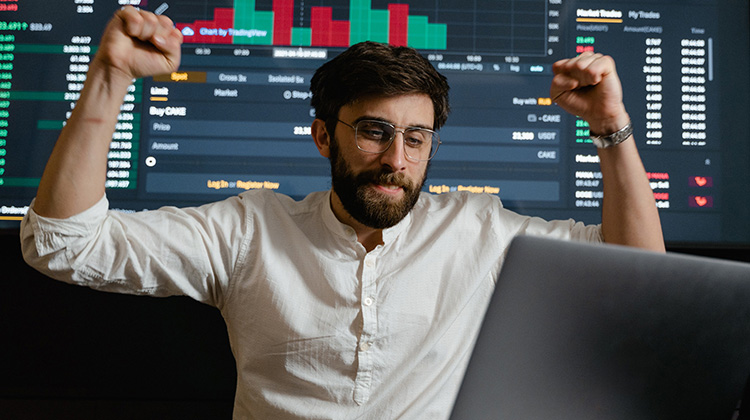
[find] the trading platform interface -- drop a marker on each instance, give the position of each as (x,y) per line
(236,116)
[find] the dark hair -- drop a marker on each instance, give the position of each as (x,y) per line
(374,69)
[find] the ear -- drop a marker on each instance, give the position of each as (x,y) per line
(321,137)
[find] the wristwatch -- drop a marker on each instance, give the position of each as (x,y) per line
(613,139)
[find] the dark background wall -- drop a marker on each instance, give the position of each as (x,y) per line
(68,352)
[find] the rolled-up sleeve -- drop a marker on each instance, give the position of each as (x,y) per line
(163,252)
(517,224)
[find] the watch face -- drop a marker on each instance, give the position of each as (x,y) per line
(614,138)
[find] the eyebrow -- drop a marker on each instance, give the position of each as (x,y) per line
(374,118)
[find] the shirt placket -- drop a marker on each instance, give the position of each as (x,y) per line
(366,346)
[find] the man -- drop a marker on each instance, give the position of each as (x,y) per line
(359,302)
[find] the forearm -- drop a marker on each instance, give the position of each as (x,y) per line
(136,43)
(588,86)
(76,171)
(629,213)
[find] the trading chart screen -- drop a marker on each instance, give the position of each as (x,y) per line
(236,115)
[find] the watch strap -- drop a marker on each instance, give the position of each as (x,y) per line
(613,139)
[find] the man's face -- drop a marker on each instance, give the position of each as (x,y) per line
(378,190)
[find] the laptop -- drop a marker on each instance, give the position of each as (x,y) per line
(583,331)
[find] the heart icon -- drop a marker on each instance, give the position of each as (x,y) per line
(701,201)
(700,181)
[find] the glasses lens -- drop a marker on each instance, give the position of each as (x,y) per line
(420,143)
(376,136)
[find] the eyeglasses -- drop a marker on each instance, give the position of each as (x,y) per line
(373,136)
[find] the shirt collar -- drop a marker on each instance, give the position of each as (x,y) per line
(347,232)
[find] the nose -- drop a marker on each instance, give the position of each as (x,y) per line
(395,156)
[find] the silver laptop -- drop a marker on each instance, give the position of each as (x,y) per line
(581,331)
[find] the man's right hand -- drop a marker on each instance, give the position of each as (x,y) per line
(138,43)
(135,44)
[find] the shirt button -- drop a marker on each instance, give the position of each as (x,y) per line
(364,346)
(368,301)
(370,263)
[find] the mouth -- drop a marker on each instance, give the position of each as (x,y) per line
(390,189)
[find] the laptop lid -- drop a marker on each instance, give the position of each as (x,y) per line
(582,331)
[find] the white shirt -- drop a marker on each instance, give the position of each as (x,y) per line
(319,327)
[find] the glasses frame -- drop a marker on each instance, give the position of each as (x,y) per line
(396,129)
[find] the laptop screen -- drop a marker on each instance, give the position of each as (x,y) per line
(579,331)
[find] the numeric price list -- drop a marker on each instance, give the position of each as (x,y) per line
(40,81)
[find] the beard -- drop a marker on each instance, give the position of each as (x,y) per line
(364,203)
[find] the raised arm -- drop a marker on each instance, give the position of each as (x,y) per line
(588,86)
(135,44)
